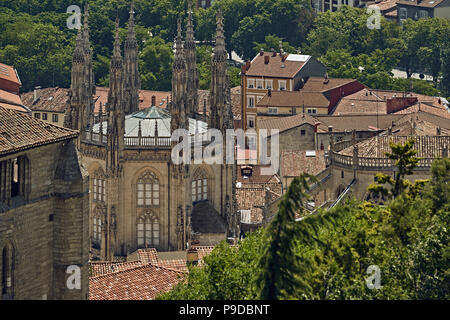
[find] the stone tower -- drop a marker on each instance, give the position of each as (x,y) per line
(114,150)
(191,64)
(219,97)
(178,106)
(222,119)
(80,103)
(131,69)
(89,72)
(75,108)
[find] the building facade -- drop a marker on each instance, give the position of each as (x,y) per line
(139,197)
(44,211)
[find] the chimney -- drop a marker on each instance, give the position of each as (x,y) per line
(266,59)
(153,101)
(36,94)
(192,256)
(283,57)
(247,64)
(274,53)
(261,52)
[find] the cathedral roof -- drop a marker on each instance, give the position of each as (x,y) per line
(150,118)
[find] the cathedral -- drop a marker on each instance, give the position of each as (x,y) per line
(138,197)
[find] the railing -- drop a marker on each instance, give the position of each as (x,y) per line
(148,142)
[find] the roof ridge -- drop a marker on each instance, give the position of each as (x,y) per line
(142,266)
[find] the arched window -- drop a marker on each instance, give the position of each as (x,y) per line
(7,264)
(148,190)
(148,231)
(199,186)
(99,186)
(20,177)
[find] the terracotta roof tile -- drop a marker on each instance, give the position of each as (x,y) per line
(294,163)
(99,268)
(275,67)
(140,283)
(9,73)
(286,123)
(384,5)
(19,131)
(320,84)
(10,98)
(49,99)
(175,264)
(149,255)
(14,107)
(294,99)
(426,3)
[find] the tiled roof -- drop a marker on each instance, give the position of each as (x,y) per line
(176,264)
(149,255)
(144,282)
(250,195)
(384,5)
(10,98)
(256,177)
(294,163)
(9,73)
(294,99)
(359,122)
(320,84)
(49,99)
(440,111)
(99,268)
(423,3)
(423,132)
(286,123)
(14,107)
(276,67)
(19,131)
(145,98)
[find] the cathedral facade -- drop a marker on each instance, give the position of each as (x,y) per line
(138,197)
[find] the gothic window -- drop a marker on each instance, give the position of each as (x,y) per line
(7,265)
(148,190)
(99,186)
(148,231)
(200,186)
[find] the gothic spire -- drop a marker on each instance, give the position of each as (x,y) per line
(131,69)
(86,40)
(219,48)
(191,65)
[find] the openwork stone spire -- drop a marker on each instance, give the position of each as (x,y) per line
(191,64)
(179,84)
(116,116)
(131,67)
(89,72)
(219,96)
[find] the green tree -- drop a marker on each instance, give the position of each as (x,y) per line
(278,263)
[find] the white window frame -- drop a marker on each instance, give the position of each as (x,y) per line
(251,83)
(402,13)
(280,83)
(259,84)
(245,216)
(250,118)
(312,111)
(267,84)
(251,98)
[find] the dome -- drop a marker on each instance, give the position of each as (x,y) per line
(148,118)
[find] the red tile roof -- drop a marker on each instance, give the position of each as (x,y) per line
(149,255)
(294,99)
(286,123)
(422,3)
(49,99)
(9,73)
(99,268)
(175,264)
(10,98)
(140,283)
(294,163)
(320,84)
(14,107)
(19,131)
(276,68)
